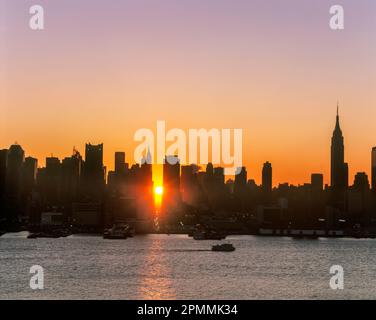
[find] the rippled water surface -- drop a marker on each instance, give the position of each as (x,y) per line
(177,267)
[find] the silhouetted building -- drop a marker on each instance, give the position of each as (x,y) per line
(267,177)
(3,173)
(361,182)
(267,183)
(240,180)
(209,169)
(359,199)
(93,171)
(120,166)
(13,189)
(71,170)
(219,176)
(339,169)
(29,175)
(189,184)
(317,182)
(52,181)
(373,169)
(171,182)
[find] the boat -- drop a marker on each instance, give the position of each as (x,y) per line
(226,247)
(118,231)
(203,234)
(54,234)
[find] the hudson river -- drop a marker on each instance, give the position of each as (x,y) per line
(177,267)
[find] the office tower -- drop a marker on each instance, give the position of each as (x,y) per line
(361,182)
(266,185)
(373,169)
(15,160)
(52,180)
(94,160)
(171,182)
(267,177)
(171,173)
(3,171)
(209,169)
(119,162)
(116,179)
(219,176)
(339,169)
(189,183)
(71,169)
(13,182)
(29,175)
(188,176)
(240,180)
(93,171)
(317,182)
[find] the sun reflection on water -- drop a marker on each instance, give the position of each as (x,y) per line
(156,282)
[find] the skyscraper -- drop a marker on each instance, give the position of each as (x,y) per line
(53,174)
(317,182)
(15,160)
(29,175)
(171,173)
(119,162)
(171,183)
(361,182)
(267,174)
(3,172)
(339,169)
(94,171)
(70,177)
(373,169)
(240,180)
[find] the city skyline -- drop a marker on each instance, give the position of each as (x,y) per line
(80,190)
(337,143)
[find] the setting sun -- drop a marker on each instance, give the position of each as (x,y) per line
(159,190)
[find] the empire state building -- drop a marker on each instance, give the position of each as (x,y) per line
(339,169)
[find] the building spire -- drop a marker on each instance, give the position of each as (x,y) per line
(337,108)
(337,127)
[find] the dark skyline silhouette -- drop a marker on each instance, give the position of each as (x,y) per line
(83,194)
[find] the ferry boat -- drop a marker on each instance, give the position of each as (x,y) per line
(118,231)
(226,247)
(49,234)
(208,235)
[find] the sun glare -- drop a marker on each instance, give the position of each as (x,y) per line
(159,190)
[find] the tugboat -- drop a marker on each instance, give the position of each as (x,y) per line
(118,231)
(201,233)
(54,234)
(208,235)
(226,247)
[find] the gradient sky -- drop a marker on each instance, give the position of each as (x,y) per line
(103,69)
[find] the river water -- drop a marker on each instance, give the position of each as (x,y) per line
(178,267)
